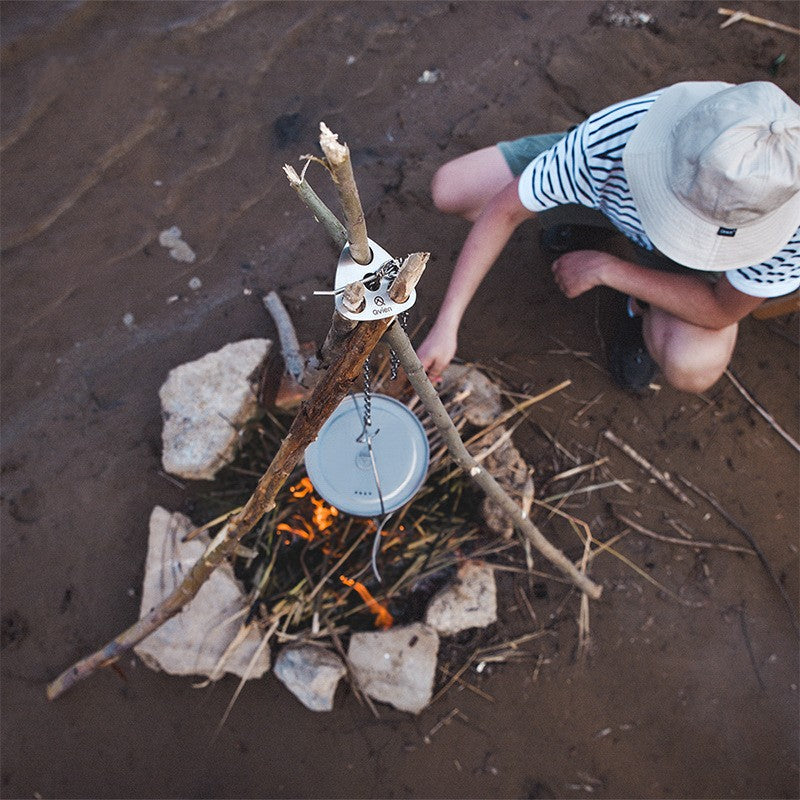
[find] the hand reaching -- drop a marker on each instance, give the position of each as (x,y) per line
(437,351)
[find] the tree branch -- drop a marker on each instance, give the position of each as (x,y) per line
(287,335)
(321,212)
(662,477)
(408,276)
(338,158)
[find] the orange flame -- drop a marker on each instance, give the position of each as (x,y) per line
(303,534)
(322,517)
(301,489)
(383,619)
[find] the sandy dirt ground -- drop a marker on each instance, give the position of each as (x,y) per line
(120,120)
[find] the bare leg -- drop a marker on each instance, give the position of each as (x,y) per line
(465,185)
(691,358)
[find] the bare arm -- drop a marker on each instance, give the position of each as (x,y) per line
(692,299)
(489,235)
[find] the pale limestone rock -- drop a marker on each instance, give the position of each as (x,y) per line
(481,403)
(204,403)
(195,640)
(311,673)
(479,396)
(499,456)
(396,666)
(469,602)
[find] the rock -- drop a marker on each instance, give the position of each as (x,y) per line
(396,666)
(430,76)
(625,17)
(195,640)
(178,249)
(504,462)
(469,602)
(204,403)
(480,401)
(311,674)
(480,396)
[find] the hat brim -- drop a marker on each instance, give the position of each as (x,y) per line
(677,231)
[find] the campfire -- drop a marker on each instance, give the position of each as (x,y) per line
(312,565)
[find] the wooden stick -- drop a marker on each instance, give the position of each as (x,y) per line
(411,272)
(731,548)
(399,342)
(338,158)
(321,212)
(717,506)
(735,16)
(747,396)
(327,395)
(661,477)
(571,473)
(340,329)
(287,335)
(353,298)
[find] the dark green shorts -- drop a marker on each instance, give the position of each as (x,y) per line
(520,152)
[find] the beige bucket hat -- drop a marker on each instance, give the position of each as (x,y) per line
(714,170)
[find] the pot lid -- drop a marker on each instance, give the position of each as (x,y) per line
(341,469)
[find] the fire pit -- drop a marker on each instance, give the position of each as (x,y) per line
(309,560)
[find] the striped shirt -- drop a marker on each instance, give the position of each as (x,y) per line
(585,167)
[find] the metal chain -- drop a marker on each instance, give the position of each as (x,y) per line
(367,396)
(387,271)
(394,364)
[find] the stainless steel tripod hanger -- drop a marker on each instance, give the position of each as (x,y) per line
(377,276)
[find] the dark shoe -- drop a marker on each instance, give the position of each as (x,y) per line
(565,238)
(631,366)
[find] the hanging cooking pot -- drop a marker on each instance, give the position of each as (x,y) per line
(368,464)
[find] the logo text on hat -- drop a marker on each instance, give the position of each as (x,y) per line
(727,231)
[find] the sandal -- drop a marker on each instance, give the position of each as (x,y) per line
(631,365)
